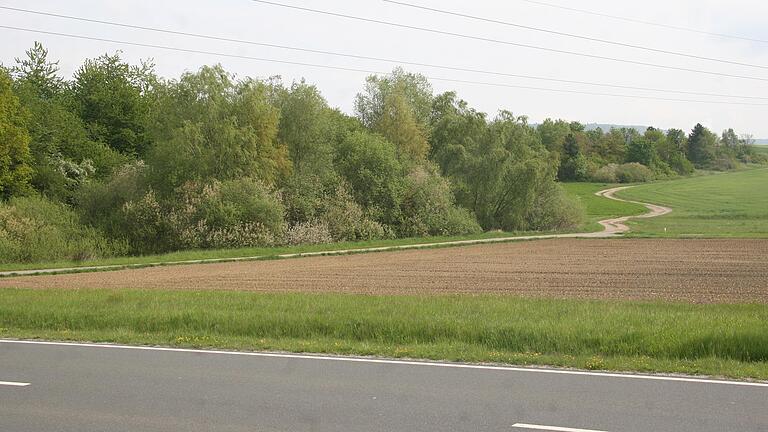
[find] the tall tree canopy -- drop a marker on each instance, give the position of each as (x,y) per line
(111,97)
(15,159)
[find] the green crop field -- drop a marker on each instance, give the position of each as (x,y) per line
(729,340)
(731,204)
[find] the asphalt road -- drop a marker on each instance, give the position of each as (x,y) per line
(89,388)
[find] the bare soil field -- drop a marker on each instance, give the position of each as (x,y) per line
(690,270)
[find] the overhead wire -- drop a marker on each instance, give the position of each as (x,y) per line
(316,65)
(363,57)
(509,43)
(645,22)
(572,35)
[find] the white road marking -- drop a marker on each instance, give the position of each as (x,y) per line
(395,362)
(13,384)
(551,428)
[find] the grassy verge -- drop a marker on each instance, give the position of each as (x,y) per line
(731,204)
(723,340)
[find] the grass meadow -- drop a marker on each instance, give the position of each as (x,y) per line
(733,204)
(599,208)
(723,340)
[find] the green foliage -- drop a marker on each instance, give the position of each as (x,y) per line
(605,174)
(110,96)
(701,146)
(398,124)
(553,134)
(37,73)
(100,202)
(15,158)
(64,158)
(642,151)
(309,128)
(312,202)
(236,213)
(214,128)
(633,172)
(210,160)
(496,168)
(573,165)
(370,165)
(553,209)
(36,229)
(428,207)
(414,88)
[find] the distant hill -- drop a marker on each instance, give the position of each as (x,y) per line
(762,141)
(606,127)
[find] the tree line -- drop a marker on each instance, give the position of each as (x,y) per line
(117,160)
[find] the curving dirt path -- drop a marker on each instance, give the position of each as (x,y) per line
(611,228)
(616,225)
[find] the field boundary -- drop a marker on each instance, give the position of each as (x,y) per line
(613,227)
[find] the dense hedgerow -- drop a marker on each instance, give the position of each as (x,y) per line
(118,160)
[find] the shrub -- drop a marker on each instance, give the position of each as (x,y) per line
(308,233)
(633,172)
(34,229)
(347,221)
(241,201)
(245,234)
(574,168)
(606,174)
(724,163)
(235,213)
(428,207)
(310,199)
(100,203)
(370,166)
(680,164)
(553,209)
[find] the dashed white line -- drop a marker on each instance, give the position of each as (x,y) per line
(552,428)
(13,384)
(394,362)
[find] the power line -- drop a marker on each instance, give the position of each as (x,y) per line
(498,41)
(368,71)
(638,21)
(381,59)
(572,35)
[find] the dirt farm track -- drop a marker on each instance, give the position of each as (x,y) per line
(691,270)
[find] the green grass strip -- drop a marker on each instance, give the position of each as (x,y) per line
(721,340)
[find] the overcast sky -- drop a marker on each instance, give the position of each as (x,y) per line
(244,19)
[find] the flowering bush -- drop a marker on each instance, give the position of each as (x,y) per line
(308,233)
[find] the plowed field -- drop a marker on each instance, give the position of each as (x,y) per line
(695,270)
